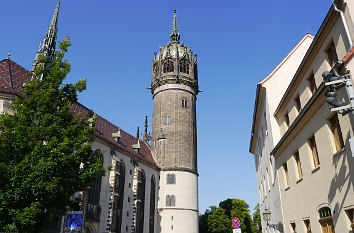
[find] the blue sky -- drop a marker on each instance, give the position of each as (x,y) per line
(113,41)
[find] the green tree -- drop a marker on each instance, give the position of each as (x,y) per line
(203,221)
(257,217)
(45,150)
(240,209)
(218,222)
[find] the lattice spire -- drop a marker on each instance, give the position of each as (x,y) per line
(47,48)
(174,35)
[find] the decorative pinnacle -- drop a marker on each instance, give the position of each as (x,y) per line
(174,35)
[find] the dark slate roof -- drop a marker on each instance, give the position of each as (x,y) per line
(17,73)
(104,128)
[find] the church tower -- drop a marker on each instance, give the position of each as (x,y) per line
(174,85)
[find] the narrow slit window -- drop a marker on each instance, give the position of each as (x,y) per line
(313,147)
(298,164)
(298,104)
(286,175)
(337,132)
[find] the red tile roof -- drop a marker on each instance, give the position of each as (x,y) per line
(348,55)
(19,75)
(104,128)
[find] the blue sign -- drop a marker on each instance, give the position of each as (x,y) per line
(73,220)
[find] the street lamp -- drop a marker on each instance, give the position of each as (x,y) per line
(266,217)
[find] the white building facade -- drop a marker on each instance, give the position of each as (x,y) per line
(265,133)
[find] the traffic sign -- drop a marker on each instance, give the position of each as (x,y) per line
(236,223)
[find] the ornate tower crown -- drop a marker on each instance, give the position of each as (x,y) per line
(174,64)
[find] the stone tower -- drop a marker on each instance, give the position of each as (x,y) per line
(174,85)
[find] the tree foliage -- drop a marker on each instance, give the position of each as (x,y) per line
(45,150)
(257,217)
(219,219)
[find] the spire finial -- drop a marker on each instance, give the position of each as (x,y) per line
(47,48)
(174,35)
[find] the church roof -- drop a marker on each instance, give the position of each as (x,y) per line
(12,77)
(104,128)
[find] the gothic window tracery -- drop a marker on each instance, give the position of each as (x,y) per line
(184,66)
(140,196)
(152,205)
(168,66)
(118,197)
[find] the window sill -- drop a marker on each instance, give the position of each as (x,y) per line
(341,151)
(315,169)
(287,188)
(299,180)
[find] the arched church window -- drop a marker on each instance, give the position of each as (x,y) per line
(168,66)
(118,196)
(184,66)
(152,205)
(140,202)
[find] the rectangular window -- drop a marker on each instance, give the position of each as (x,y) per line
(293,227)
(298,164)
(332,54)
(307,225)
(171,179)
(286,119)
(170,200)
(337,132)
(312,83)
(298,104)
(286,175)
(313,147)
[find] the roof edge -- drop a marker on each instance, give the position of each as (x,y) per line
(306,57)
(292,51)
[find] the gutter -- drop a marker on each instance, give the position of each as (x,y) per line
(344,24)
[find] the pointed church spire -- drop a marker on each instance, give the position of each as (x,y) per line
(47,48)
(174,35)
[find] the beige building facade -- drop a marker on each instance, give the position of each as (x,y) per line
(266,133)
(313,157)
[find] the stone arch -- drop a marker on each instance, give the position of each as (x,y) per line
(168,66)
(184,66)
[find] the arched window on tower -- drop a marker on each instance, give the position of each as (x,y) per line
(168,66)
(140,202)
(118,192)
(170,200)
(184,66)
(152,205)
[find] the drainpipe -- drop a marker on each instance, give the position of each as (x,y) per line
(345,25)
